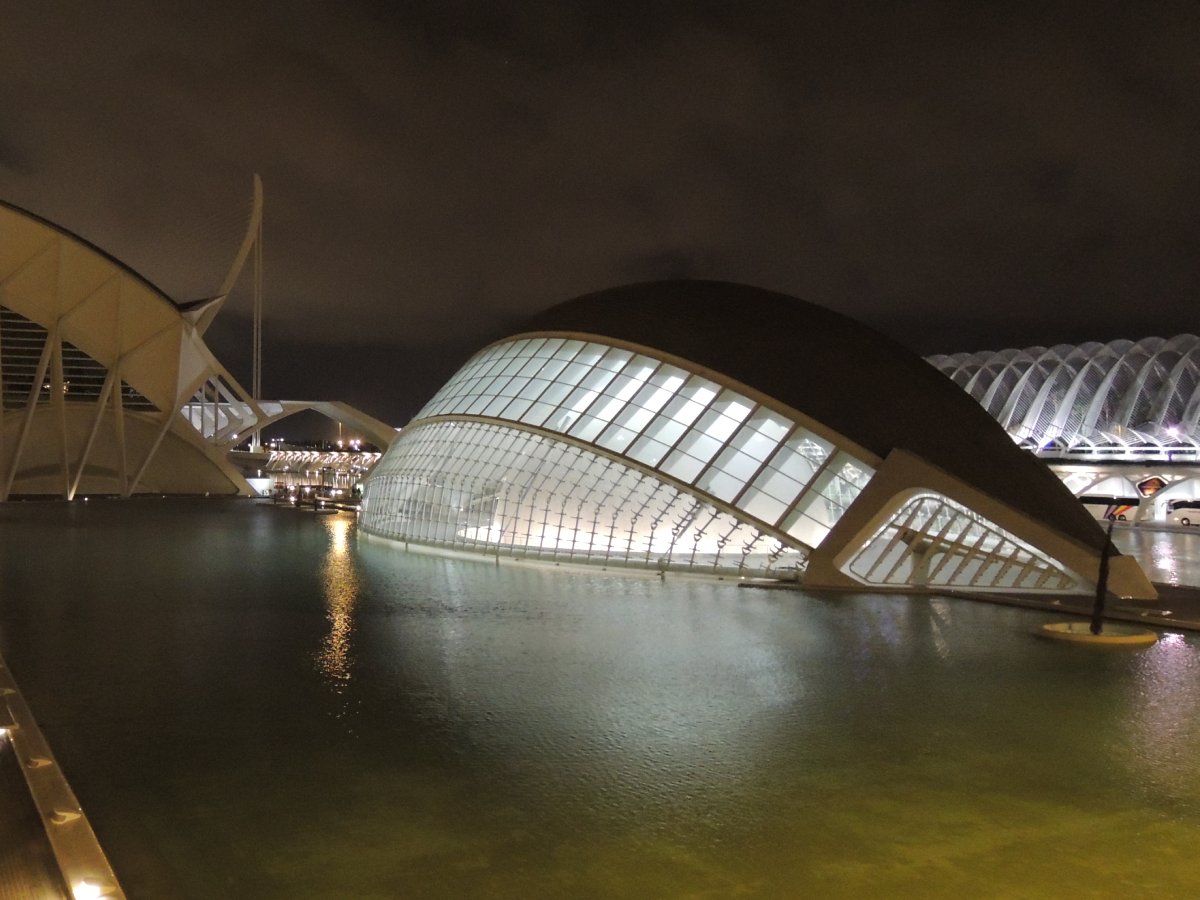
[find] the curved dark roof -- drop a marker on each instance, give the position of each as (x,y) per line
(837,371)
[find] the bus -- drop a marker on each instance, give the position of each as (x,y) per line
(1183,512)
(1119,509)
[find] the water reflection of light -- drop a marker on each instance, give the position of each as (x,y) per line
(339,578)
(1169,557)
(1167,717)
(1163,554)
(939,614)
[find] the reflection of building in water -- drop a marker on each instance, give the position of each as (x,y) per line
(340,581)
(716,428)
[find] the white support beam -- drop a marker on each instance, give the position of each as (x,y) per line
(35,390)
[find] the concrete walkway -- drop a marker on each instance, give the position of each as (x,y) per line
(1176,608)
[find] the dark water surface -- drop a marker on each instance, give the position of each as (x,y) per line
(254,702)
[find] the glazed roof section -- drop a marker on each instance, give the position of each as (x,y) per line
(838,372)
(668,419)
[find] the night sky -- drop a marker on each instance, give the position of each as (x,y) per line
(962,176)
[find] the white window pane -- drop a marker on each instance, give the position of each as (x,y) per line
(476,406)
(589,355)
(648,451)
(568,350)
(513,386)
(495,405)
(682,466)
(761,435)
(652,397)
(533,389)
(587,427)
(807,531)
(700,445)
(820,508)
(580,399)
(551,369)
(683,410)
(700,389)
(733,406)
(808,445)
(573,373)
(531,366)
(794,464)
(665,430)
(616,438)
(550,348)
(763,506)
(737,464)
(778,485)
(720,484)
(606,409)
(718,427)
(515,409)
(615,359)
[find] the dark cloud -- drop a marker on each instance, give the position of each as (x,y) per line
(956,174)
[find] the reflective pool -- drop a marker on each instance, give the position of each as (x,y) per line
(253,702)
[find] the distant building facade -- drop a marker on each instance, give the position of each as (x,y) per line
(1118,422)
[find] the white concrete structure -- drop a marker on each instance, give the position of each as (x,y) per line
(716,428)
(107,384)
(1125,400)
(1118,422)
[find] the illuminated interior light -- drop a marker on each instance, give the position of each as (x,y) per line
(90,889)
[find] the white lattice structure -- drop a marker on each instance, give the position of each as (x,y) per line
(1124,399)
(614,433)
(107,385)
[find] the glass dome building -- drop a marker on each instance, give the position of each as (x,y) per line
(715,428)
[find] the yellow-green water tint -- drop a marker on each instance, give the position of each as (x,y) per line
(252,702)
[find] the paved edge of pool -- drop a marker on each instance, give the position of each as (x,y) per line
(1177,607)
(82,863)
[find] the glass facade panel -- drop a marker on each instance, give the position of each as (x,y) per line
(661,415)
(649,451)
(932,540)
(515,409)
(487,488)
(616,438)
(586,428)
(538,412)
(614,359)
(665,430)
(699,445)
(680,465)
(763,506)
(721,484)
(807,531)
(533,388)
(778,485)
(759,437)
